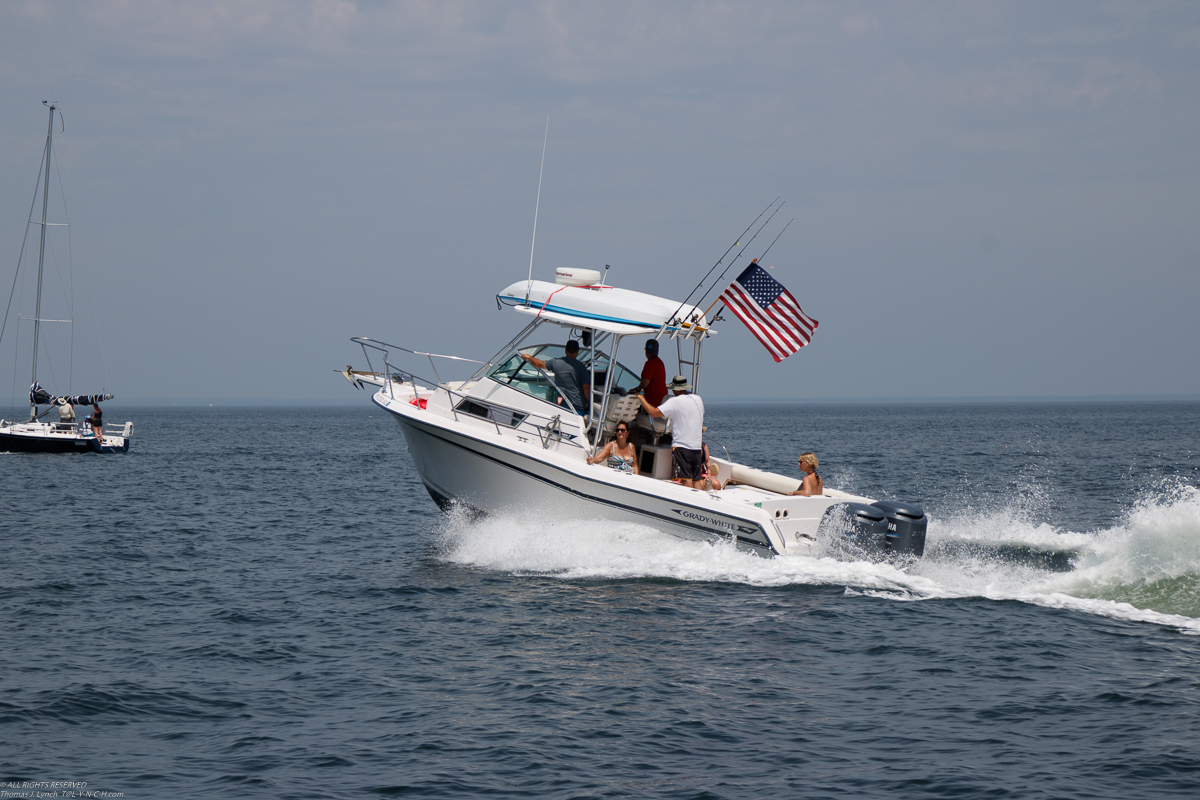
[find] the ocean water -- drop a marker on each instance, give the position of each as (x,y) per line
(266,603)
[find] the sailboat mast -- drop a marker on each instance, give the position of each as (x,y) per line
(37,314)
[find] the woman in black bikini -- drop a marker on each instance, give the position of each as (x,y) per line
(97,421)
(812,483)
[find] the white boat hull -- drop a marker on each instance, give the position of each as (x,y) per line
(507,439)
(463,464)
(49,437)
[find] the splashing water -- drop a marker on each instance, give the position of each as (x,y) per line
(1146,569)
(1151,561)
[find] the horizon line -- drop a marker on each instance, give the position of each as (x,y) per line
(235,402)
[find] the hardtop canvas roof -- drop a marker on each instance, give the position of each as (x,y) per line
(605,308)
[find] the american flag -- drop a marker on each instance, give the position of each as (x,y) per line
(769,311)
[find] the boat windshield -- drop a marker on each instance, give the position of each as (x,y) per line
(524,377)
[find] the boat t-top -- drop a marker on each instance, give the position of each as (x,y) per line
(507,438)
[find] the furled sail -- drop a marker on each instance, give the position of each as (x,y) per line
(40,397)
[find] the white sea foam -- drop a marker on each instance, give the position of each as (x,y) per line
(968,555)
(1159,540)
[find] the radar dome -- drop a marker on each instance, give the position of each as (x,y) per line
(576,276)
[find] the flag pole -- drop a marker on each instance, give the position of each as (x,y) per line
(714,302)
(753,261)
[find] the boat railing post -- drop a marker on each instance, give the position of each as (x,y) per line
(728,457)
(696,348)
(553,429)
(413,380)
(609,378)
(387,375)
(587,390)
(367,356)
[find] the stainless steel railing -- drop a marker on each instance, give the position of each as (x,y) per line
(546,433)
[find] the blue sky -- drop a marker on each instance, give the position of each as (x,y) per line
(990,199)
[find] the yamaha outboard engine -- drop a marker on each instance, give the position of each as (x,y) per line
(857,525)
(906,526)
(881,530)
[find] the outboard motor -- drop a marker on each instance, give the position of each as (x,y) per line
(906,526)
(862,527)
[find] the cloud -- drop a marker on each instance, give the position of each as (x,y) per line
(307,168)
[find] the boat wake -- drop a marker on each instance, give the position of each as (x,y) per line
(1145,569)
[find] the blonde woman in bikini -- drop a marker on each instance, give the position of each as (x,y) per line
(619,454)
(812,483)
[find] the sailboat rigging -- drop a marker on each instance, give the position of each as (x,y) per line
(66,435)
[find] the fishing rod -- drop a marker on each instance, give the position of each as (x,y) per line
(529,283)
(776,239)
(760,258)
(721,277)
(714,266)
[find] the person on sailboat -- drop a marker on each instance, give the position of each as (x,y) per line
(686,412)
(654,375)
(96,420)
(66,411)
(569,374)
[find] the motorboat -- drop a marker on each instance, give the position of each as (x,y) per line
(507,439)
(65,434)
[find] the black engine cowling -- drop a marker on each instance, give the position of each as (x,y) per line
(883,529)
(906,525)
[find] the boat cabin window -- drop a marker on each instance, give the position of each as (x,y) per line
(524,377)
(500,415)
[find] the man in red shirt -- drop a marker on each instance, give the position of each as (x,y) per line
(654,376)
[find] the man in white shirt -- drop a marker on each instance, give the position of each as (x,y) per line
(686,412)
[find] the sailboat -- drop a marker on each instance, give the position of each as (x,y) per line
(64,434)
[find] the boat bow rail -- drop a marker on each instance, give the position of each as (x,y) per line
(548,428)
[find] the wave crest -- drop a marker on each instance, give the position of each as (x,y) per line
(1146,568)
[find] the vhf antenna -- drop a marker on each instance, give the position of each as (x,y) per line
(529,283)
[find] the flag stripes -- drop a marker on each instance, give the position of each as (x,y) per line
(770,312)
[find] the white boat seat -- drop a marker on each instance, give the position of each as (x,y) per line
(620,409)
(624,409)
(748,476)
